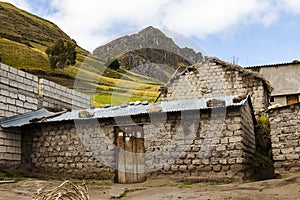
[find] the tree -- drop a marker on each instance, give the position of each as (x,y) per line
(62,54)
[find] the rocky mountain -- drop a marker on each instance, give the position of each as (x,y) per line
(156,63)
(149,37)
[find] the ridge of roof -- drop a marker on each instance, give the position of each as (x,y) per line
(274,65)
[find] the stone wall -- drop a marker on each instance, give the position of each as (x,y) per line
(69,149)
(10,147)
(212,80)
(285,137)
(18,91)
(21,92)
(207,144)
(216,148)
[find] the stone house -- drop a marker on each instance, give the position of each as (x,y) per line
(207,138)
(213,77)
(285,137)
(285,80)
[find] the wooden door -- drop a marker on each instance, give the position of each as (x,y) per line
(130,154)
(292,99)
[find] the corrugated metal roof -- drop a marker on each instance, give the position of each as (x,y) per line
(171,106)
(117,111)
(23,119)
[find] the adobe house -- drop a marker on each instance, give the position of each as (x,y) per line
(284,77)
(207,138)
(213,77)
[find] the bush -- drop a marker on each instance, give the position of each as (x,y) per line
(62,54)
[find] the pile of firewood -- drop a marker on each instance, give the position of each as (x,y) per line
(66,190)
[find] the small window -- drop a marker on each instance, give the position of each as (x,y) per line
(291,99)
(272,100)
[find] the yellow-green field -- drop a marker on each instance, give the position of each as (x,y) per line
(102,84)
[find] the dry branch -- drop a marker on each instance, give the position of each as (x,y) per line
(66,190)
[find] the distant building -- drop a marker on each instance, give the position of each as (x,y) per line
(285,80)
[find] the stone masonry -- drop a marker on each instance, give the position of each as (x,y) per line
(212,78)
(285,137)
(210,144)
(69,149)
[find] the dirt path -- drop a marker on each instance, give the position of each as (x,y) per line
(287,188)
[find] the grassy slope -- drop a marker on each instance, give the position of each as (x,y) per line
(23,40)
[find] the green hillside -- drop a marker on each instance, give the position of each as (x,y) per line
(24,38)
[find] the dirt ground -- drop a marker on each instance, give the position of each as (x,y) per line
(285,188)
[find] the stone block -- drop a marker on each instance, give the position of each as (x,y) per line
(224,141)
(235,139)
(287,150)
(279,157)
(292,157)
(297,149)
(174,168)
(221,148)
(197,162)
(217,168)
(2,149)
(191,156)
(9,156)
(182,168)
(4,67)
(231,161)
(4,92)
(241,160)
(223,161)
(4,80)
(8,142)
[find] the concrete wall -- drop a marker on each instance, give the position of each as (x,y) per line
(21,92)
(212,80)
(18,91)
(56,96)
(285,137)
(207,145)
(283,78)
(10,147)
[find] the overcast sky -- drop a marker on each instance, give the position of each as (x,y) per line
(255,32)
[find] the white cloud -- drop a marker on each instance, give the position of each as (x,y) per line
(202,18)
(92,22)
(292,6)
(23,4)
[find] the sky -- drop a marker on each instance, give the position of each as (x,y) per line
(247,32)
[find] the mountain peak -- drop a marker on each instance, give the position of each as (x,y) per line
(152,30)
(149,37)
